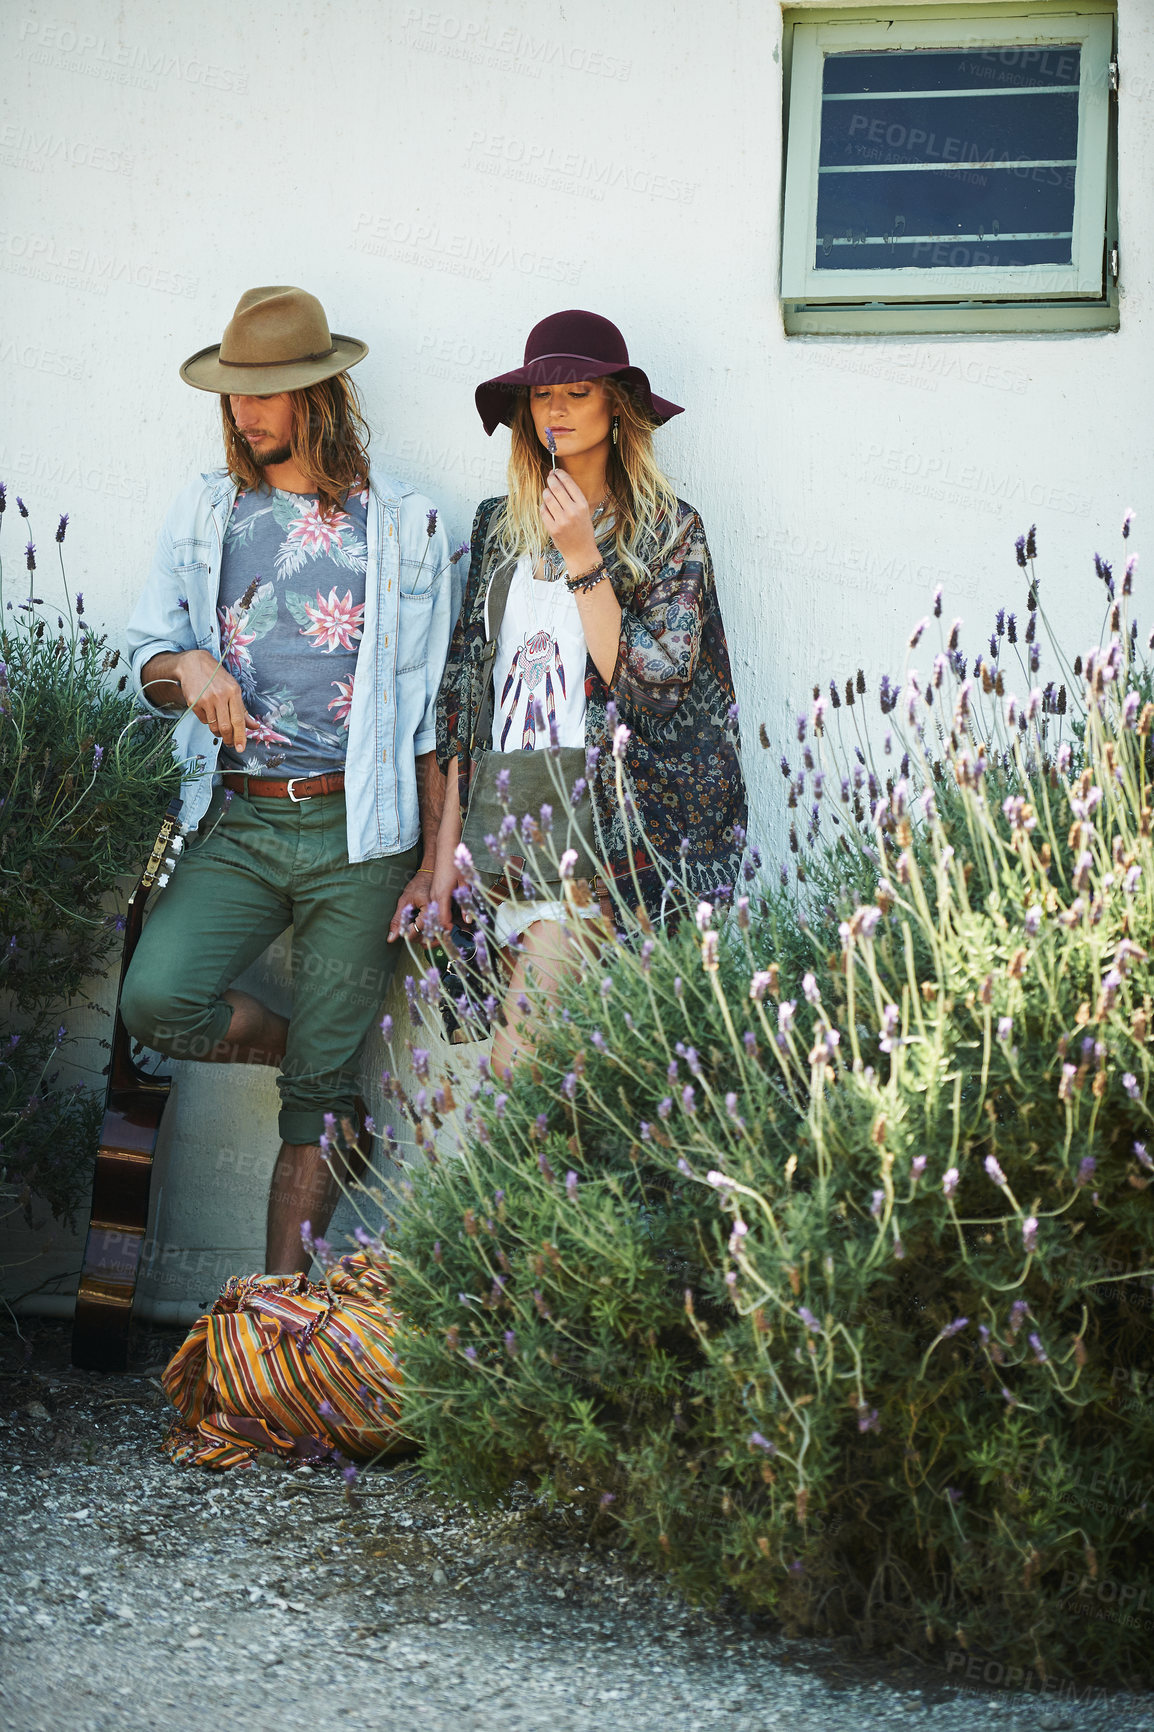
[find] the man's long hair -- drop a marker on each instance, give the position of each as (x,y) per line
(330,441)
(641,497)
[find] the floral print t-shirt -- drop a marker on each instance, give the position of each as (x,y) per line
(293,648)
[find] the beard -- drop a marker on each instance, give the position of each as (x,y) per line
(269,459)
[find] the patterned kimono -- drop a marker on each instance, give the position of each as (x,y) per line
(673,689)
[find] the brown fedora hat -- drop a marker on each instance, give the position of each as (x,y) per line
(277,340)
(560,350)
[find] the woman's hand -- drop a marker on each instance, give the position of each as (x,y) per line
(441,899)
(570,522)
(446,878)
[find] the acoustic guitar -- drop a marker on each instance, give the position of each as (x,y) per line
(133,1108)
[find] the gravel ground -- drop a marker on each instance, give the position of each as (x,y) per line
(134,1596)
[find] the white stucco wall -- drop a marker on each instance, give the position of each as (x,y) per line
(444,177)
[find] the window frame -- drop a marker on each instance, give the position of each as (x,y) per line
(906,298)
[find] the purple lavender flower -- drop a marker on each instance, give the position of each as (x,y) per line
(1005,1028)
(30,556)
(808,1318)
(867,1418)
(1019,1310)
(950,1181)
(571,1185)
(994,1170)
(21,507)
(1039,1350)
(756,1441)
(917,1166)
(551,444)
(61,527)
(954,1328)
(877,1204)
(1086,1168)
(511,1343)
(891,1018)
(1146,1159)
(97,757)
(1132,1086)
(1030,1233)
(471,1355)
(431,524)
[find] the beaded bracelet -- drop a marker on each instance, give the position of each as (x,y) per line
(588,580)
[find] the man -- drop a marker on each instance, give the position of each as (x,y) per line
(298,611)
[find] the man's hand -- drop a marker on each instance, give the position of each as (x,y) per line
(410,903)
(204,686)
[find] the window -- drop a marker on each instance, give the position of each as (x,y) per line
(949,171)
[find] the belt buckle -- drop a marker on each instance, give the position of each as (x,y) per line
(297,799)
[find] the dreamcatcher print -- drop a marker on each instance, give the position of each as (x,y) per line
(534,663)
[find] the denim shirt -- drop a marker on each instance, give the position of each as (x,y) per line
(412,596)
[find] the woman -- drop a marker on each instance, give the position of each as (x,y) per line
(611,619)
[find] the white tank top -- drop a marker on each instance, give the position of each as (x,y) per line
(540,656)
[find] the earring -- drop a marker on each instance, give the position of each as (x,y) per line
(615,429)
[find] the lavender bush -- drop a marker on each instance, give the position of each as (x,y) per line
(814,1251)
(85,781)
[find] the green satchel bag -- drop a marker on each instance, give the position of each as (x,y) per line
(534,778)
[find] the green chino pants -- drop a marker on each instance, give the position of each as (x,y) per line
(257,867)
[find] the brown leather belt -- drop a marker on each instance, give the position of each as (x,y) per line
(294,788)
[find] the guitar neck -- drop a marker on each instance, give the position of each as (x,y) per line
(122,1071)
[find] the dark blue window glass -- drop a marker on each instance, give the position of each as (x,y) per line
(948,161)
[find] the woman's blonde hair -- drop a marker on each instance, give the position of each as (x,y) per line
(330,441)
(641,497)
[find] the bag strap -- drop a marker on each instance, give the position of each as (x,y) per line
(496,599)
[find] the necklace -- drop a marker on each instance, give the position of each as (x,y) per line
(552,564)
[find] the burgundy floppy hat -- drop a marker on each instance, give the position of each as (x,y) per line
(560,350)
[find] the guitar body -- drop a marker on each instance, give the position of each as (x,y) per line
(133,1109)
